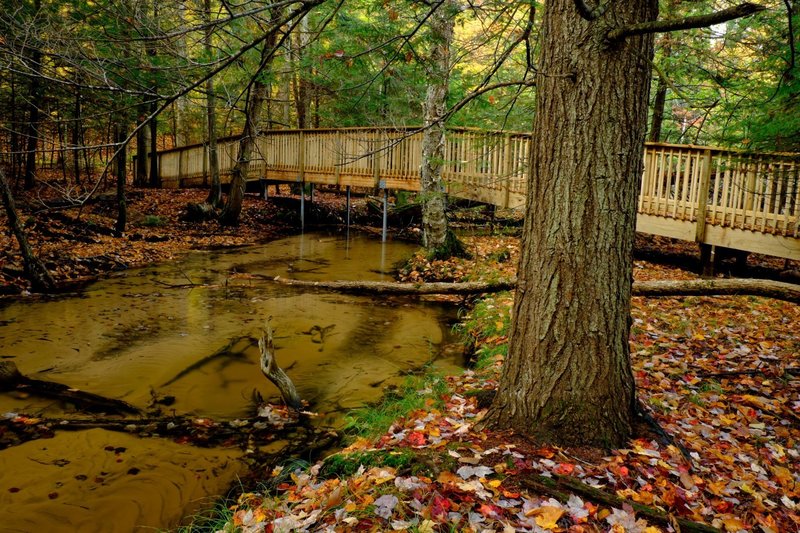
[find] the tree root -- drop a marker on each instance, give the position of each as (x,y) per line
(560,488)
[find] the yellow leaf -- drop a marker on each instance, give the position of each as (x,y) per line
(733,524)
(350,507)
(426,526)
(547,516)
(499,324)
(495,483)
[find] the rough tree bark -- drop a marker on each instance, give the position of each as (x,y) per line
(436,235)
(35,271)
(567,378)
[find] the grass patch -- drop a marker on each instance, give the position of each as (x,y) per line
(211,520)
(153,221)
(487,326)
(415,393)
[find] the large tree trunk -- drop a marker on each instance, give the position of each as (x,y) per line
(567,378)
(437,238)
(35,271)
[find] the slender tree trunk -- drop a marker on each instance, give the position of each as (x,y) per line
(154,179)
(35,91)
(567,378)
(119,165)
(437,238)
(181,105)
(255,104)
(35,271)
(142,147)
(75,133)
(215,193)
(301,94)
(16,149)
(661,96)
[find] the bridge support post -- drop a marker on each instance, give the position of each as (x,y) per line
(706,260)
(347,208)
(385,214)
(262,183)
(312,193)
(302,206)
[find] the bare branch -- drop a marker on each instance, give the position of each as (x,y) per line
(686,23)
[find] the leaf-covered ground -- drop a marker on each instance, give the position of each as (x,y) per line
(719,375)
(78,245)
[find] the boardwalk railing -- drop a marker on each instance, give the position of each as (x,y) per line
(720,197)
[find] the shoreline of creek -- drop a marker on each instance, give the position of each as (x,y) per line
(160,340)
(153,245)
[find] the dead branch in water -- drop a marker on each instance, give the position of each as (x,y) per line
(274,373)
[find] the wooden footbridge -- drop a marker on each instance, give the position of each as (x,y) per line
(727,198)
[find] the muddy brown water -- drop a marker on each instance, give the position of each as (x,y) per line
(140,331)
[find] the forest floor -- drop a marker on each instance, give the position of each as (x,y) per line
(718,448)
(718,378)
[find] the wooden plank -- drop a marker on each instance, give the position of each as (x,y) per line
(702,198)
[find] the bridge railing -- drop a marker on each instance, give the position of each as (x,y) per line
(723,188)
(688,192)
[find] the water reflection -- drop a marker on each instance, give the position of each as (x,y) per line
(188,329)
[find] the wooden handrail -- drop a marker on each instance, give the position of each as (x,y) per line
(710,195)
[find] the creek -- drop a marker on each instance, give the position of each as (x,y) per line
(148,331)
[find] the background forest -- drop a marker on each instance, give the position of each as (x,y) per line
(82,79)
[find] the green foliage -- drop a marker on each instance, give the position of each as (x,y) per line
(487,321)
(452,247)
(374,420)
(153,221)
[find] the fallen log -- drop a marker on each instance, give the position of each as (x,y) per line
(560,488)
(12,379)
(653,289)
(391,288)
(196,431)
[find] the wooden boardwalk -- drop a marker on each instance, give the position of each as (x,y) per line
(744,201)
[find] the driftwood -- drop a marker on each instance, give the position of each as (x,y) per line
(12,379)
(274,373)
(711,287)
(560,488)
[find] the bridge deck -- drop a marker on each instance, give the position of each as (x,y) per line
(739,200)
